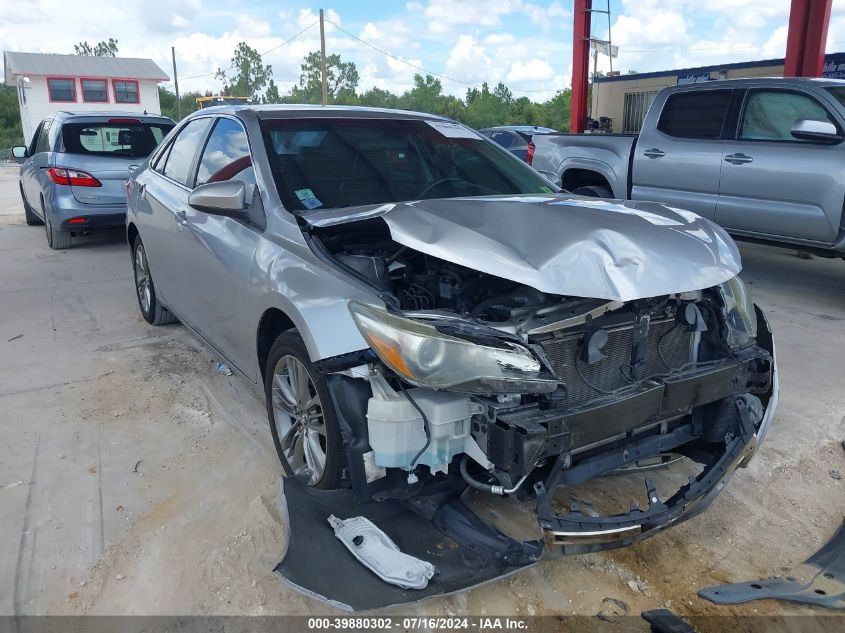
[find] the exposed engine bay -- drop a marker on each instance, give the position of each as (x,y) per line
(617,370)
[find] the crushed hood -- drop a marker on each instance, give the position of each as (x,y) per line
(566,245)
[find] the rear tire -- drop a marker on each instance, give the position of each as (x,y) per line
(56,239)
(151,309)
(301,414)
(594,191)
(31,218)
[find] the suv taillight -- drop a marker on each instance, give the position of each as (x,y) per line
(73,177)
(529,153)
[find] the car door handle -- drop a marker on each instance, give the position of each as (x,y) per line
(181,217)
(654,153)
(738,159)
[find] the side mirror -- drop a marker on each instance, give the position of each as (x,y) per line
(220,198)
(814,130)
(19,152)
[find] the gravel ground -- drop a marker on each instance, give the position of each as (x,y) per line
(149,481)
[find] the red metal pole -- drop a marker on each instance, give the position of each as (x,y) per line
(580,65)
(795,38)
(818,20)
(806,39)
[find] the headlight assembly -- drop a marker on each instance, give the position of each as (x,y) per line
(427,358)
(740,318)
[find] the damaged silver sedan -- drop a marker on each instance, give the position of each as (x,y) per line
(428,315)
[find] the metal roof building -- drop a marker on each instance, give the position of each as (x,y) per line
(29,64)
(47,83)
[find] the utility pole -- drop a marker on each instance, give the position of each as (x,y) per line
(176,84)
(323,60)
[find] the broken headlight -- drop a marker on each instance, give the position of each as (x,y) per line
(738,310)
(427,358)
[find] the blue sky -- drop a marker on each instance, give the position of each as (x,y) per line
(524,43)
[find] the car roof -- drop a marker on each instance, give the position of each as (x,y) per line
(292,110)
(93,115)
(529,129)
(816,82)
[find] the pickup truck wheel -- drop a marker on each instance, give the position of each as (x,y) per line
(594,191)
(151,309)
(31,218)
(302,419)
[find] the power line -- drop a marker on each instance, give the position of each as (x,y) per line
(287,41)
(399,59)
(425,70)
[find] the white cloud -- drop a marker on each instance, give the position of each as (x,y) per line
(532,70)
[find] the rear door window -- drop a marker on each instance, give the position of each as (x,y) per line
(131,139)
(505,139)
(700,114)
(43,144)
(183,151)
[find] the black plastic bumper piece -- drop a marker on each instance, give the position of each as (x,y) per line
(578,533)
(465,551)
(820,580)
(664,621)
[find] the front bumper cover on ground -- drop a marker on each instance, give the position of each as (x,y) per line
(465,551)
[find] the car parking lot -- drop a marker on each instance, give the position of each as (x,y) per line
(135,478)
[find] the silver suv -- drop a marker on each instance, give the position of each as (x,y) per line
(425,313)
(74,171)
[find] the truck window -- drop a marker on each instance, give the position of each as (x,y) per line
(770,114)
(697,114)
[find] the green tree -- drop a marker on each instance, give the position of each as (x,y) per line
(486,108)
(251,73)
(272,94)
(187,103)
(378,98)
(558,109)
(107,48)
(342,79)
(425,96)
(11,132)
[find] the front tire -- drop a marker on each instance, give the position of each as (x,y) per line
(31,218)
(151,309)
(302,418)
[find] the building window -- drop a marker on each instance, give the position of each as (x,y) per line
(126,91)
(94,91)
(635,106)
(62,89)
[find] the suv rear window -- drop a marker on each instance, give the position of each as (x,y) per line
(132,139)
(699,114)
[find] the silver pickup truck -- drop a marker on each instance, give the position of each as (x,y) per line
(762,157)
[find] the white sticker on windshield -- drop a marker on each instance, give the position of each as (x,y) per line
(453,130)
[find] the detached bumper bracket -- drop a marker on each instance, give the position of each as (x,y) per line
(820,580)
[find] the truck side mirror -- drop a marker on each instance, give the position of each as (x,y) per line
(814,130)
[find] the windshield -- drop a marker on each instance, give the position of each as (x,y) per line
(839,94)
(333,163)
(131,138)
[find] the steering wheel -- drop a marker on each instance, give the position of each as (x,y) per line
(437,183)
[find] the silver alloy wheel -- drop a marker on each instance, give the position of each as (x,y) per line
(299,420)
(143,283)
